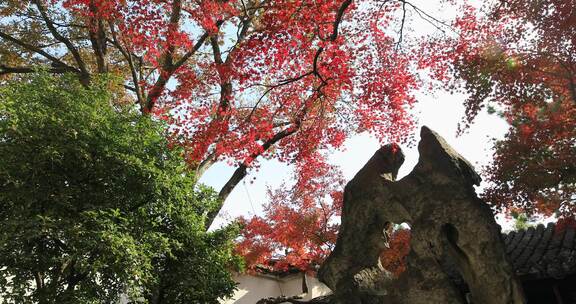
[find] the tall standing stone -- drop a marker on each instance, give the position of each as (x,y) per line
(452,229)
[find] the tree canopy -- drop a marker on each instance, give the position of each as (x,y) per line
(519,60)
(93,203)
(238,80)
(516,58)
(299,226)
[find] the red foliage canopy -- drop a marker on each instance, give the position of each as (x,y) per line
(300,223)
(520,60)
(237,80)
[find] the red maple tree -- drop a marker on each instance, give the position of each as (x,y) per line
(520,61)
(300,223)
(237,80)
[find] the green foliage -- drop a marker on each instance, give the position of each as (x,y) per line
(521,221)
(94,204)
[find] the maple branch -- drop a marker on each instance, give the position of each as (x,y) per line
(314,70)
(133,72)
(281,124)
(173,25)
(32,48)
(225,83)
(163,79)
(241,171)
(272,87)
(217,54)
(167,68)
(294,79)
(283,82)
(205,164)
(56,23)
(226,86)
(222,114)
(225,93)
(81,65)
(97,37)
(339,16)
(427,17)
(24,69)
(194,49)
(242,31)
(400,33)
(315,64)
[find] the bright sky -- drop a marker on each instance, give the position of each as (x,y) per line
(441,112)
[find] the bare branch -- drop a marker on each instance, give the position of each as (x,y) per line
(401,30)
(24,69)
(339,16)
(129,58)
(427,17)
(59,37)
(38,51)
(241,171)
(98,39)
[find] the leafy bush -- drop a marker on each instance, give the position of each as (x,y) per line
(93,203)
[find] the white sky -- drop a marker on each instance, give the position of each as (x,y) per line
(441,112)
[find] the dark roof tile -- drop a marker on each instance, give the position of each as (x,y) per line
(530,248)
(567,254)
(555,244)
(568,243)
(543,252)
(509,237)
(533,264)
(521,247)
(515,241)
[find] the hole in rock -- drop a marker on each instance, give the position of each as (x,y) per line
(393,258)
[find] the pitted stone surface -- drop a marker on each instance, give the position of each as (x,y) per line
(448,222)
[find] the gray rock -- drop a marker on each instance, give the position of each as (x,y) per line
(448,223)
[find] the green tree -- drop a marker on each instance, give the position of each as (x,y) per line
(94,204)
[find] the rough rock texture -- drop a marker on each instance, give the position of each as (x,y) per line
(449,225)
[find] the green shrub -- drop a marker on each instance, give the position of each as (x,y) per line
(93,203)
